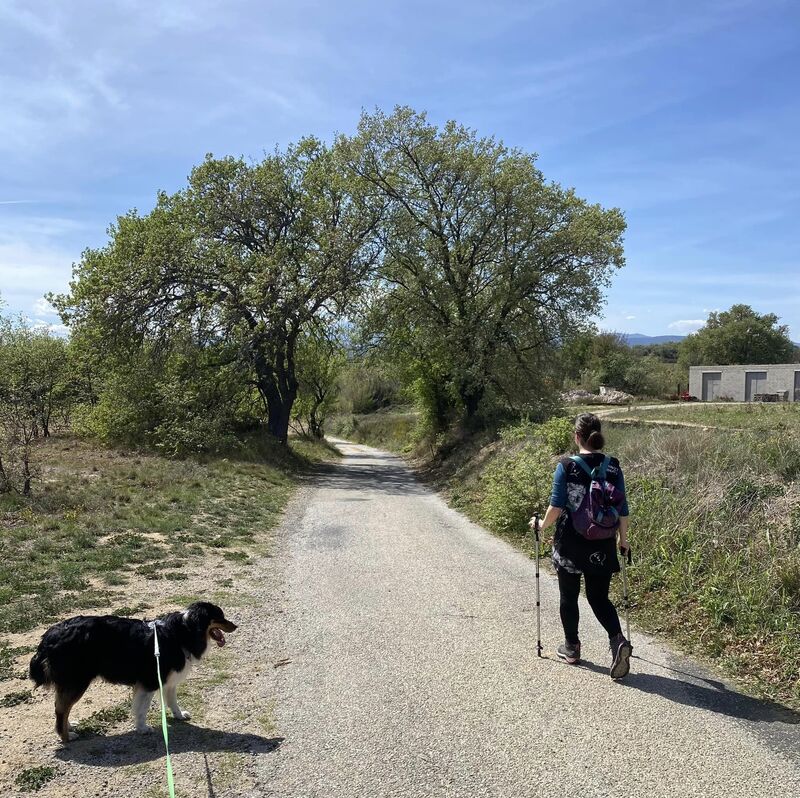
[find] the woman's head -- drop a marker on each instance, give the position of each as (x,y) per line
(587,431)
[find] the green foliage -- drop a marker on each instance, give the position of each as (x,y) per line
(392,430)
(486,265)
(102,721)
(366,387)
(179,402)
(739,335)
(252,255)
(606,359)
(320,361)
(15,699)
(515,486)
(33,779)
(35,395)
(517,482)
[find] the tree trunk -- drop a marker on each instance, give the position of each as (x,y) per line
(277,384)
(471,395)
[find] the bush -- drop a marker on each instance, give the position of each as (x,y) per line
(517,483)
(514,487)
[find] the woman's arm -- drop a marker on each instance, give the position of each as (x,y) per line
(558,499)
(550,517)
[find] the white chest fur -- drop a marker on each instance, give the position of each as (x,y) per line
(176,677)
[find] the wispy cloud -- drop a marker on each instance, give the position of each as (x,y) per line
(686,325)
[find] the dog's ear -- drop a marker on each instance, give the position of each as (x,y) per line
(199,615)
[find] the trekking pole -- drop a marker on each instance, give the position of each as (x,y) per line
(626,558)
(538,596)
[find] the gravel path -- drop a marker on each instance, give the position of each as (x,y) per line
(402,638)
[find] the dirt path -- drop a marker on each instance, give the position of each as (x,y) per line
(386,648)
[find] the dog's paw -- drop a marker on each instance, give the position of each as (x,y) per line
(182,714)
(71,736)
(145,729)
(71,726)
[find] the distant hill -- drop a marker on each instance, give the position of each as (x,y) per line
(637,339)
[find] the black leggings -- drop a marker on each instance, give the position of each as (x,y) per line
(597,586)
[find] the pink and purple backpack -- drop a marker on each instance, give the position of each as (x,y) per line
(597,516)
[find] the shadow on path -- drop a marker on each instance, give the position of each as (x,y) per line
(380,476)
(713,695)
(132,748)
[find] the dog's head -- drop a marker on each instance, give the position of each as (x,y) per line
(210,620)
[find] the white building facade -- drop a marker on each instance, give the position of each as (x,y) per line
(779,382)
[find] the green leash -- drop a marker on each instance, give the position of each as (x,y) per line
(170,778)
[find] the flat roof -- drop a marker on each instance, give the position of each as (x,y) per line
(759,366)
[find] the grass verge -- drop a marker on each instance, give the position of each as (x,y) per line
(101,517)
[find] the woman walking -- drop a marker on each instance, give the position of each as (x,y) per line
(589,508)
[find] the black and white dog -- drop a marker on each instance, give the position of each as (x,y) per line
(75,652)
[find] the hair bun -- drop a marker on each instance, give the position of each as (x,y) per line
(596,440)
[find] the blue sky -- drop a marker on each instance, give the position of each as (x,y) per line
(684,114)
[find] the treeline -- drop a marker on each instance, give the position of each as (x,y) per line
(406,262)
(738,335)
(445,258)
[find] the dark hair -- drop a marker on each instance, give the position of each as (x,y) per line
(587,428)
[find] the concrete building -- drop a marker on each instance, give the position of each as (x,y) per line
(746,383)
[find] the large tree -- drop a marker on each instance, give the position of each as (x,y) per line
(248,254)
(738,335)
(487,266)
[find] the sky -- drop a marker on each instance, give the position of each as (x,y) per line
(685,115)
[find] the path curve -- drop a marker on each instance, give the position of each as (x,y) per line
(404,637)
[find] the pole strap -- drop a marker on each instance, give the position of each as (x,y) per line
(164,730)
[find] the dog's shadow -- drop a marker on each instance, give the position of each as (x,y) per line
(132,748)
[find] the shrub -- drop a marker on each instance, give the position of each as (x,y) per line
(515,486)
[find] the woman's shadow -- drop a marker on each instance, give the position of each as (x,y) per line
(712,695)
(132,748)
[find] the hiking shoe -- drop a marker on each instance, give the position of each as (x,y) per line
(570,652)
(621,651)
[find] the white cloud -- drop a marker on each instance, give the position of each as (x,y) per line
(41,308)
(686,325)
(30,270)
(630,318)
(61,330)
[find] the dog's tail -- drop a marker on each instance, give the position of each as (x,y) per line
(39,670)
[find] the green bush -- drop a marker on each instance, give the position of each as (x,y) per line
(517,481)
(515,485)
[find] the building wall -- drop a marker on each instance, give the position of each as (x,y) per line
(780,378)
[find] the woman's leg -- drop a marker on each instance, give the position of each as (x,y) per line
(569,586)
(597,586)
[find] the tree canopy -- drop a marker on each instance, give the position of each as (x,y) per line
(486,266)
(246,255)
(738,336)
(450,253)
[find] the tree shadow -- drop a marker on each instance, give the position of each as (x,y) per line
(391,478)
(132,748)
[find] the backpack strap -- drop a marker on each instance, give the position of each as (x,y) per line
(581,462)
(604,467)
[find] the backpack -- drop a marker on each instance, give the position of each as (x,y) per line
(597,516)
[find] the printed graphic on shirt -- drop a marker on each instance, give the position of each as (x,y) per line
(575,494)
